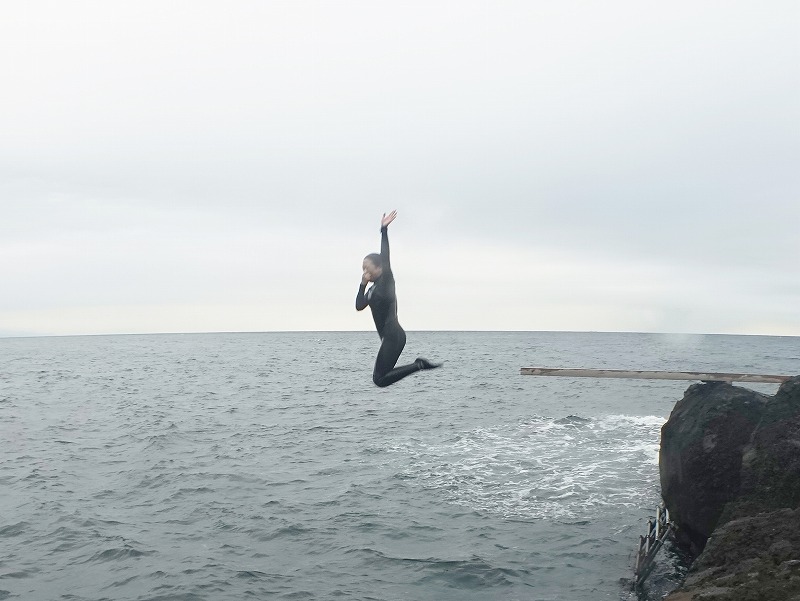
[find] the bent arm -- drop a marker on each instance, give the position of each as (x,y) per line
(361,299)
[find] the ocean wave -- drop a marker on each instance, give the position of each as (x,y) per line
(469,573)
(14,529)
(126,551)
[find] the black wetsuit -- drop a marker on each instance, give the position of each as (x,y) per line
(382,299)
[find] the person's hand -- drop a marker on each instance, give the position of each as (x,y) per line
(387,219)
(364,278)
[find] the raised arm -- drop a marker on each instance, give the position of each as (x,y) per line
(385,221)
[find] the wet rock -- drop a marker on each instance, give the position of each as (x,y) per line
(770,474)
(781,550)
(746,560)
(702,445)
(753,553)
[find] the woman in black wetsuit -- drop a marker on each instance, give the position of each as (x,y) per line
(382,299)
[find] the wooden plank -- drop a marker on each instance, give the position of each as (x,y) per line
(652,375)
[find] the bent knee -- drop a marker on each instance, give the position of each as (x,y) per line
(380,381)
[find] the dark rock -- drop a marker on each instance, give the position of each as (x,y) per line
(770,474)
(756,558)
(702,446)
(751,481)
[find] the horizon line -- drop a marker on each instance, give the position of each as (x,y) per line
(12,336)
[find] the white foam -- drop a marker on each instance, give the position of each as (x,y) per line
(543,468)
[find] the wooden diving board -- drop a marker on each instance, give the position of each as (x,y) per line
(652,375)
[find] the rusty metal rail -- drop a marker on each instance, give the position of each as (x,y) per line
(657,530)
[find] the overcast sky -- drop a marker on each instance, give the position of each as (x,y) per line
(223,166)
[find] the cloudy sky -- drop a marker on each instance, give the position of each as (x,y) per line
(202,165)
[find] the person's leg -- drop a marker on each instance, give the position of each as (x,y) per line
(385,373)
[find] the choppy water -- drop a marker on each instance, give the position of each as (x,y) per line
(267,466)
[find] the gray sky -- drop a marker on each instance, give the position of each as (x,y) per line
(223,166)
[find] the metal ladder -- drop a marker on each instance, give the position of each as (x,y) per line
(657,530)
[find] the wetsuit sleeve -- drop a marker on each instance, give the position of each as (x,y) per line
(361,299)
(385,248)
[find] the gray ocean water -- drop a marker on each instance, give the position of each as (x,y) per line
(267,466)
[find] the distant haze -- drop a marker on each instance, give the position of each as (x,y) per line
(223,166)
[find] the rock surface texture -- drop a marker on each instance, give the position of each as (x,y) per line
(730,474)
(702,445)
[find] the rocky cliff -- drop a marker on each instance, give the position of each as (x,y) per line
(730,476)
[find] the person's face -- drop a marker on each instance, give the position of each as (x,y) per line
(371,271)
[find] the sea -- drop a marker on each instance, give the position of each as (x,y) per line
(212,467)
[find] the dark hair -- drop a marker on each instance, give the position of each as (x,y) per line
(376,259)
